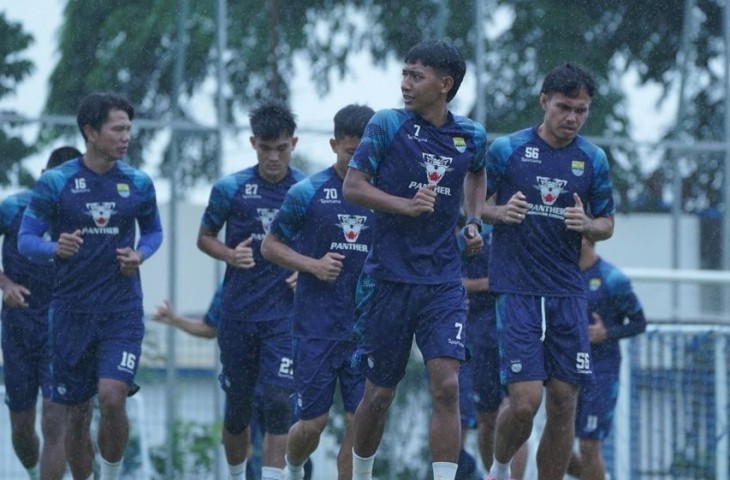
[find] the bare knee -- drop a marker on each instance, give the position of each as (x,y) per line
(112,398)
(378,399)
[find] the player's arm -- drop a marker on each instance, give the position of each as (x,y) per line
(240,257)
(475,285)
(326,268)
(358,190)
(13,293)
(634,324)
(198,328)
(511,213)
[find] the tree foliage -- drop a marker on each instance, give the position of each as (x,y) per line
(130,47)
(14,68)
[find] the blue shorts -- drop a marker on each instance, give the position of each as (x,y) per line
(483,365)
(543,337)
(389,314)
(596,404)
(86,347)
(26,359)
(318,366)
(255,352)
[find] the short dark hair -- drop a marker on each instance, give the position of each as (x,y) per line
(350,121)
(272,119)
(568,79)
(442,56)
(95,107)
(61,155)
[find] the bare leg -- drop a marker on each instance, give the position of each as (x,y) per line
(53,454)
(303,438)
(236,446)
(592,465)
(445,432)
(25,439)
(519,462)
(514,422)
(556,443)
(78,445)
(113,422)
(369,419)
(273,451)
(344,457)
(486,425)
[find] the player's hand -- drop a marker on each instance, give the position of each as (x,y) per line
(129,260)
(328,267)
(68,244)
(164,313)
(291,281)
(243,255)
(597,331)
(14,295)
(474,242)
(423,201)
(515,210)
(576,218)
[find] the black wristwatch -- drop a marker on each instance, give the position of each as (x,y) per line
(477,222)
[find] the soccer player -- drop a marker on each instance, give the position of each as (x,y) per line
(333,236)
(413,167)
(615,313)
(543,179)
(255,324)
(26,290)
(91,207)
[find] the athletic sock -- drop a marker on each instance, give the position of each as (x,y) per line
(362,467)
(500,471)
(271,473)
(444,470)
(34,472)
(237,472)
(109,470)
(293,472)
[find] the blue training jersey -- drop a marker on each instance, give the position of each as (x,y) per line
(38,278)
(315,212)
(107,209)
(481,304)
(245,203)
(611,295)
(213,315)
(402,152)
(540,255)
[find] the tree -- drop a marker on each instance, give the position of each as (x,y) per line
(14,67)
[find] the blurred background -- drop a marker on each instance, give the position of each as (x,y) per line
(193,69)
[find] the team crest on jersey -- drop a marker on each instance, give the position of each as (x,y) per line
(436,167)
(266,215)
(460,144)
(352,225)
(101,212)
(578,167)
(594,284)
(550,189)
(123,190)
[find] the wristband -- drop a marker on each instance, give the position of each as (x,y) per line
(477,222)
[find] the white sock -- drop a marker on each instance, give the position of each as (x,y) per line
(33,472)
(362,467)
(444,470)
(500,471)
(109,471)
(237,472)
(271,473)
(293,472)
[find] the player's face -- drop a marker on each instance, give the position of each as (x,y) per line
(112,140)
(344,148)
(422,87)
(564,117)
(274,156)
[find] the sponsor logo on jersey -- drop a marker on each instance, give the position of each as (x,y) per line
(578,167)
(460,144)
(102,213)
(594,284)
(123,190)
(266,216)
(550,189)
